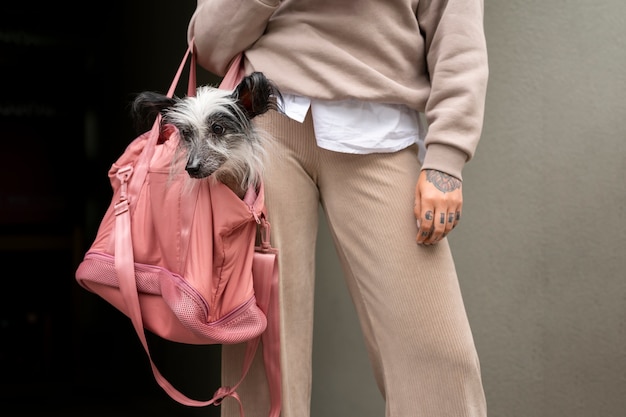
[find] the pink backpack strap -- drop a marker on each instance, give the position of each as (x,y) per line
(266,290)
(124,266)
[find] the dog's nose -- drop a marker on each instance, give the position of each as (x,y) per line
(193,165)
(192,168)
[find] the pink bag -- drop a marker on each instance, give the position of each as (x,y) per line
(182,261)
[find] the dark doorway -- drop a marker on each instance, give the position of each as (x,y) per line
(69,72)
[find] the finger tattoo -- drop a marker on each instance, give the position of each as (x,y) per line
(458,215)
(442,220)
(429,215)
(450,217)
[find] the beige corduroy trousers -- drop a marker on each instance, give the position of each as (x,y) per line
(407,296)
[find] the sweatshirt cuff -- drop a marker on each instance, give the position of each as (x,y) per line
(445,159)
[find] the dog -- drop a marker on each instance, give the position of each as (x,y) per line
(217,135)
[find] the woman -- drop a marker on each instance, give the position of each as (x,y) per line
(356,79)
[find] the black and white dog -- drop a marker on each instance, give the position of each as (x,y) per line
(217,134)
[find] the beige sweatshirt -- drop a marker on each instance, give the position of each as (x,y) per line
(428,55)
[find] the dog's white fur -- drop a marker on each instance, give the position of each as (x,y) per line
(217,135)
(234,153)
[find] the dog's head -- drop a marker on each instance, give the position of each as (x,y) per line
(216,130)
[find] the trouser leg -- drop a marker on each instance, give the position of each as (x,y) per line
(407,296)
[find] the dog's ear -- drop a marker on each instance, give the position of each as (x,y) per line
(255,94)
(146,107)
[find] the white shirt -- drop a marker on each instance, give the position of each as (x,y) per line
(353,126)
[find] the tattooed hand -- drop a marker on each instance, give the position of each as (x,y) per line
(438,203)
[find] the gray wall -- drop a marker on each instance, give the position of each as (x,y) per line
(541,251)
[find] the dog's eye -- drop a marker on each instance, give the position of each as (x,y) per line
(217,128)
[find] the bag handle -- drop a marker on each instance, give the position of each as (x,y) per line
(140,169)
(191,85)
(235,73)
(233,77)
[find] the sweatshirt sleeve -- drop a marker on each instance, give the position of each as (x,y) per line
(456,55)
(223,28)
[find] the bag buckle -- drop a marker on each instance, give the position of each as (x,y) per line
(123,174)
(265,234)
